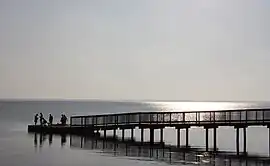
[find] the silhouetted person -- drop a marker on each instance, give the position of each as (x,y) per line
(63,119)
(41,119)
(36,119)
(50,119)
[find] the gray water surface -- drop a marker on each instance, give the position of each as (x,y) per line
(17,147)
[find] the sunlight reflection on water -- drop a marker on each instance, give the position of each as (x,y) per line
(200,106)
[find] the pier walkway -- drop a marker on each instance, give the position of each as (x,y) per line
(239,119)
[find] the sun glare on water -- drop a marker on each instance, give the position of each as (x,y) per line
(197,106)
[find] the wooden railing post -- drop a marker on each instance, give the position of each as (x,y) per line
(128,118)
(230,117)
(214,117)
(151,118)
(246,116)
(199,117)
(81,121)
(196,117)
(184,117)
(157,118)
(170,118)
(240,116)
(263,115)
(140,118)
(163,118)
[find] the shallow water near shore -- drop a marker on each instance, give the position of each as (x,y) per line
(17,147)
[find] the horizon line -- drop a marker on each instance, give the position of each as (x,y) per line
(115,100)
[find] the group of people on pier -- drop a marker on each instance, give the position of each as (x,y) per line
(43,121)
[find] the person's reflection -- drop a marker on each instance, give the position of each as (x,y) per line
(50,139)
(35,140)
(42,138)
(63,139)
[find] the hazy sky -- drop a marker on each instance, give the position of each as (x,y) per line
(135,49)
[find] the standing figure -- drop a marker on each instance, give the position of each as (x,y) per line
(63,119)
(50,119)
(36,119)
(41,119)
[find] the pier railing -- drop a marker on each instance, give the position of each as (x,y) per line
(226,117)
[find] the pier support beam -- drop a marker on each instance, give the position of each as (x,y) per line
(237,141)
(152,135)
(178,138)
(269,138)
(245,139)
(206,138)
(161,135)
(132,134)
(187,139)
(215,138)
(142,135)
(114,133)
(123,134)
(105,133)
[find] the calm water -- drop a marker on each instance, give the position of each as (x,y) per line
(17,147)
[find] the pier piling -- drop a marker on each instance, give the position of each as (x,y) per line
(142,135)
(114,133)
(187,134)
(152,136)
(237,141)
(178,137)
(132,134)
(161,135)
(245,139)
(206,138)
(105,133)
(269,139)
(215,138)
(123,134)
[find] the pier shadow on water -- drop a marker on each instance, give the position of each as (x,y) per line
(134,150)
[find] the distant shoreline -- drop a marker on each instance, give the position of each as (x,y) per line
(128,101)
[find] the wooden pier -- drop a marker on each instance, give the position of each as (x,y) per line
(209,120)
